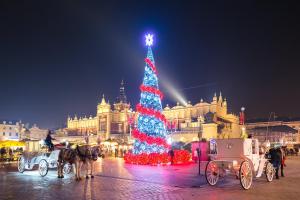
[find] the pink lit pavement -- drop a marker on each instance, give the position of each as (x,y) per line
(116,180)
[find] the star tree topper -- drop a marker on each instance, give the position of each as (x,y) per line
(149,39)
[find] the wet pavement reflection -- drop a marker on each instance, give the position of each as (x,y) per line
(116,180)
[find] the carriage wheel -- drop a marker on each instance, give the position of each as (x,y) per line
(67,168)
(212,173)
(43,167)
(269,172)
(246,175)
(21,164)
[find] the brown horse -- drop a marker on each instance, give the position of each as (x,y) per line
(68,156)
(88,155)
(80,155)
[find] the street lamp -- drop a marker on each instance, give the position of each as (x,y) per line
(199,143)
(131,120)
(274,116)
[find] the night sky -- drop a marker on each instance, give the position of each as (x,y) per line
(58,58)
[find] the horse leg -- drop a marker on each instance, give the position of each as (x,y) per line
(76,170)
(58,169)
(61,170)
(92,169)
(87,170)
(79,169)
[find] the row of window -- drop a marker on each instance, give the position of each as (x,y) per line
(10,128)
(9,134)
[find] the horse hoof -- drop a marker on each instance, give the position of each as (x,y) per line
(62,176)
(92,176)
(87,177)
(58,176)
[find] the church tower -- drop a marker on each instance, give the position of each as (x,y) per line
(122,96)
(104,118)
(121,103)
(213,106)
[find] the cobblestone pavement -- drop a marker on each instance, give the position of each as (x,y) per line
(116,180)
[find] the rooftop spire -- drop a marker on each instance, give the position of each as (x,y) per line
(220,97)
(103,100)
(122,96)
(215,97)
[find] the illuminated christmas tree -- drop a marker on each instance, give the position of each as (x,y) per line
(150,146)
(150,132)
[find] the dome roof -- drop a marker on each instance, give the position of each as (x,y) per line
(167,107)
(177,106)
(202,103)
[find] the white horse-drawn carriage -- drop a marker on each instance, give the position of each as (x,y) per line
(43,160)
(238,157)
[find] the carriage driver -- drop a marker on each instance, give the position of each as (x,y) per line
(48,141)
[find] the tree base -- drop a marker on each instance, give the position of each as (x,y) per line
(180,157)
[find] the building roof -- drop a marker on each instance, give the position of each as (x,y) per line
(11,122)
(280,128)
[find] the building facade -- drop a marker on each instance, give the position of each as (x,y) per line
(203,120)
(113,121)
(275,131)
(10,130)
(36,133)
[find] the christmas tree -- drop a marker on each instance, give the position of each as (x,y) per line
(150,146)
(150,132)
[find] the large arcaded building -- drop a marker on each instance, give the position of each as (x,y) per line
(109,121)
(113,121)
(211,120)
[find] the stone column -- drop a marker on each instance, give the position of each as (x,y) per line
(108,126)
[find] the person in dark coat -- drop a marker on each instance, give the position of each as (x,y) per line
(171,154)
(283,157)
(276,158)
(48,141)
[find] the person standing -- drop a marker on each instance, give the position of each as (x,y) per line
(283,157)
(116,152)
(171,154)
(48,141)
(10,152)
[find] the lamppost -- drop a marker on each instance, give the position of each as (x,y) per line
(242,122)
(131,120)
(274,116)
(199,143)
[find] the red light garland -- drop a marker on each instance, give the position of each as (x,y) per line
(180,157)
(148,111)
(153,90)
(151,65)
(143,137)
